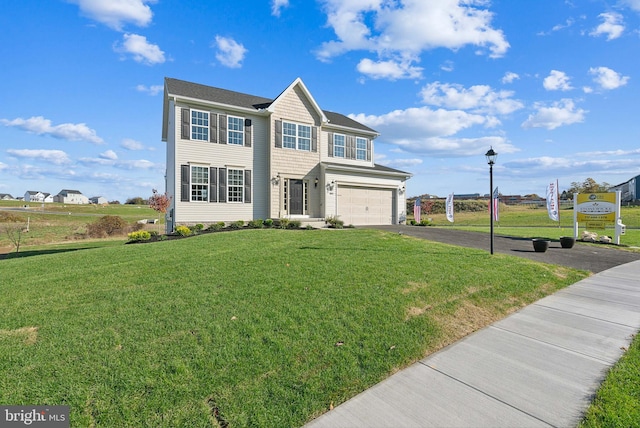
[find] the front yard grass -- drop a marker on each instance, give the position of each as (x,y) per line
(251,328)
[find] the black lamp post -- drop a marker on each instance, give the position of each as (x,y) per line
(491,160)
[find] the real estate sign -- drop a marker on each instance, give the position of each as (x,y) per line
(596,210)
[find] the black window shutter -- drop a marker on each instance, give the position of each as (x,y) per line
(223,129)
(247,132)
(330,144)
(213,127)
(278,124)
(184,183)
(351,147)
(368,150)
(222,184)
(213,184)
(247,186)
(186,124)
(314,139)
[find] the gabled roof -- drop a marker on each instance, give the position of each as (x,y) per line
(67,192)
(194,92)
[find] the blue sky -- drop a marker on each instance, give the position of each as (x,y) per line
(552,86)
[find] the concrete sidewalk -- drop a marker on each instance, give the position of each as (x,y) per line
(538,367)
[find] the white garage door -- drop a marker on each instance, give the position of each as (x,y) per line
(364,205)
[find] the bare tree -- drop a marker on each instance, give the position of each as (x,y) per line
(14,233)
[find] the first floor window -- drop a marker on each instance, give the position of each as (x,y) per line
(361,148)
(235,128)
(199,125)
(235,185)
(338,145)
(199,183)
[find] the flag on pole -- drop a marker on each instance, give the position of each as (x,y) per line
(494,201)
(552,201)
(417,208)
(449,205)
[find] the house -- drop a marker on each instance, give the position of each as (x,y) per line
(629,190)
(233,156)
(66,196)
(6,197)
(37,196)
(99,200)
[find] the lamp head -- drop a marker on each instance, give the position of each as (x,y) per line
(491,156)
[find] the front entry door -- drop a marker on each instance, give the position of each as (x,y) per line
(296,192)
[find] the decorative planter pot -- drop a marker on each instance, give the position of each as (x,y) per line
(540,245)
(567,241)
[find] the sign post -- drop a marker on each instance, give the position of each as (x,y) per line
(596,211)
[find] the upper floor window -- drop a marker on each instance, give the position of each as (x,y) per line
(199,183)
(199,125)
(296,136)
(338,145)
(235,126)
(361,148)
(235,185)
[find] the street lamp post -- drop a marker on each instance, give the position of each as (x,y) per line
(491,160)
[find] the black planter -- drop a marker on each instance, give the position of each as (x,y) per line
(567,241)
(540,245)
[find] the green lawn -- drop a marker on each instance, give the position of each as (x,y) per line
(252,328)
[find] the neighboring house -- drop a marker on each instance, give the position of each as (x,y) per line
(233,156)
(98,200)
(629,190)
(66,196)
(6,197)
(36,196)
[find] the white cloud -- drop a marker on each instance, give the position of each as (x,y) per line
(509,77)
(151,90)
(612,26)
(109,154)
(65,131)
(277,6)
(141,50)
(557,81)
(632,4)
(57,157)
(477,98)
(229,52)
(131,144)
(403,30)
(558,114)
(116,13)
(391,70)
(608,78)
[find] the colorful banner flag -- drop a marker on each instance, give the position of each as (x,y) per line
(495,201)
(417,208)
(552,201)
(449,205)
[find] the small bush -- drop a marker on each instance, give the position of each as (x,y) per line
(268,222)
(256,224)
(183,231)
(153,233)
(7,217)
(216,226)
(425,223)
(309,227)
(294,224)
(140,235)
(198,227)
(239,224)
(412,222)
(284,223)
(334,222)
(108,225)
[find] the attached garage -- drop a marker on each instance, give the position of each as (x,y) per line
(365,205)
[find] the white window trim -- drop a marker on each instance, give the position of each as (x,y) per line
(191,183)
(297,135)
(191,125)
(344,145)
(358,150)
(241,186)
(229,130)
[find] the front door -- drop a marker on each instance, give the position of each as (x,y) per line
(296,196)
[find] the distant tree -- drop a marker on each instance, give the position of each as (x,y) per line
(114,202)
(588,186)
(136,201)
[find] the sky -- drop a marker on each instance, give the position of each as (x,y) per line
(551,85)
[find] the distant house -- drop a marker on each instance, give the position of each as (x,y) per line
(98,200)
(6,197)
(629,190)
(37,196)
(66,196)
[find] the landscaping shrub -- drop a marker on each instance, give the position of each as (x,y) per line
(198,227)
(256,224)
(425,223)
(284,223)
(108,225)
(294,224)
(239,224)
(334,222)
(268,222)
(140,235)
(183,231)
(216,226)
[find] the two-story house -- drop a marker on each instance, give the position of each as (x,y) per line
(233,156)
(67,196)
(37,196)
